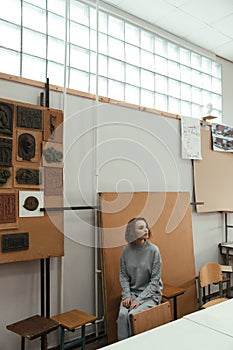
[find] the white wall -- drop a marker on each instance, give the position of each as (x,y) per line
(107,148)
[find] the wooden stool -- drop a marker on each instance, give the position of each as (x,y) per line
(33,327)
(71,320)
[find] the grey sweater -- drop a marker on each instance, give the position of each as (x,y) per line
(140,271)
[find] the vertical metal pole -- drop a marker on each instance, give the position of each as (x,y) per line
(42,287)
(226,235)
(47,287)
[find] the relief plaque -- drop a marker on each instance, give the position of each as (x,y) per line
(53,181)
(8,210)
(5,152)
(29,118)
(6,118)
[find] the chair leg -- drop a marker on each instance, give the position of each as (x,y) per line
(62,338)
(83,337)
(22,343)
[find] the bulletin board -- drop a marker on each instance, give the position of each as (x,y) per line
(31,179)
(169,217)
(213,178)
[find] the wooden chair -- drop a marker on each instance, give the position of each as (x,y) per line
(151,318)
(211,274)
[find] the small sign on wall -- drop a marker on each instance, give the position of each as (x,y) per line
(30,203)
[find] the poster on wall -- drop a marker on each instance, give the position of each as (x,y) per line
(191,138)
(222,138)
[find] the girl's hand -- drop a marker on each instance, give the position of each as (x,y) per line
(134,305)
(127,302)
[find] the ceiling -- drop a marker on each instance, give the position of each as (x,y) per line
(205,23)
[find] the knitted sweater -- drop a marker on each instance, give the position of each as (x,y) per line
(140,270)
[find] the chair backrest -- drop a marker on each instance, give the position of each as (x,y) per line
(151,318)
(210,273)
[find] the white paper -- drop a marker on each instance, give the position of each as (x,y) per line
(191,138)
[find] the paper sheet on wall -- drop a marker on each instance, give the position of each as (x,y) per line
(191,138)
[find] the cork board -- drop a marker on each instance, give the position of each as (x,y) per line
(169,217)
(213,178)
(33,234)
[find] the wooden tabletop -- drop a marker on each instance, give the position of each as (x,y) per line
(33,327)
(170,291)
(73,319)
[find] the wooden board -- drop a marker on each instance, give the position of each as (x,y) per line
(213,178)
(169,217)
(45,233)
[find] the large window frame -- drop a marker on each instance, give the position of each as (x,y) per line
(135,65)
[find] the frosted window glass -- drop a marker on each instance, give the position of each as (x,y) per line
(10,62)
(161,65)
(56,26)
(33,68)
(161,102)
(56,50)
(147,60)
(160,47)
(34,43)
(116,69)
(132,34)
(216,85)
(131,94)
(185,92)
(56,74)
(196,111)
(196,78)
(34,18)
(116,48)
(173,88)
(79,80)
(147,41)
(132,54)
(12,40)
(103,86)
(173,70)
(147,98)
(103,65)
(103,43)
(147,80)
(79,35)
(185,56)
(116,90)
(161,84)
(79,12)
(79,58)
(185,74)
(173,52)
(93,84)
(185,108)
(11,11)
(57,6)
(132,75)
(115,27)
(196,95)
(196,61)
(173,105)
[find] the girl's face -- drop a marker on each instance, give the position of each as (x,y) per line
(141,230)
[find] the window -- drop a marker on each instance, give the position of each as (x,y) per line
(135,65)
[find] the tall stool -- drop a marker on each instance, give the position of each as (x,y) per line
(71,320)
(33,327)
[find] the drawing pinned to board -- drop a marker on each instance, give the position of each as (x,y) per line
(222,137)
(30,203)
(191,138)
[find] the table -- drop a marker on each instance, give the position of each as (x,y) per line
(218,317)
(172,292)
(181,334)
